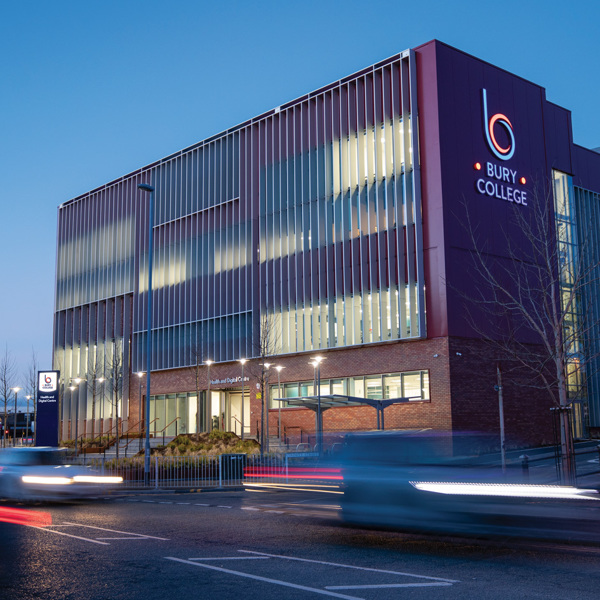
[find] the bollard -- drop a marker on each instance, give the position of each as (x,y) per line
(525,466)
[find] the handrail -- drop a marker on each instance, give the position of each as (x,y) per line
(108,432)
(99,436)
(241,426)
(126,435)
(167,425)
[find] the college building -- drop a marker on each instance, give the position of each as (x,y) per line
(364,223)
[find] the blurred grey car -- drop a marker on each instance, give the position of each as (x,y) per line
(425,481)
(41,473)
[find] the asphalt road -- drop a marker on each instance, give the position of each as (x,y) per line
(267,546)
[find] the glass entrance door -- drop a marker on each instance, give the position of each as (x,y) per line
(234,413)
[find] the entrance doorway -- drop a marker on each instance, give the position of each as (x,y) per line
(234,413)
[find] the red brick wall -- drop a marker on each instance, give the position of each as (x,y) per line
(366,360)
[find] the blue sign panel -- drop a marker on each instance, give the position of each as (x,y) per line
(47,409)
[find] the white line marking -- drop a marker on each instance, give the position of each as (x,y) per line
(221,506)
(183,503)
(234,558)
(201,504)
(165,502)
(149,501)
(249,508)
(73,536)
(116,531)
(387,585)
(277,512)
(266,579)
(130,538)
(322,562)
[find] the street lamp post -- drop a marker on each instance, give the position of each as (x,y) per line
(316,363)
(101,380)
(278,368)
(145,187)
(265,400)
(243,361)
(72,388)
(77,381)
(208,399)
(16,391)
(140,374)
(28,399)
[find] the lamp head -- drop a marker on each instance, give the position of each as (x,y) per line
(145,187)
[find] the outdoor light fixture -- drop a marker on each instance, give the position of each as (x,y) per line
(140,374)
(16,391)
(243,361)
(146,187)
(316,363)
(279,368)
(208,399)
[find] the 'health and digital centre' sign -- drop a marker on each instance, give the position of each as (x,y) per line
(47,408)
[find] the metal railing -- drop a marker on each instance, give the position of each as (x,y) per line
(224,470)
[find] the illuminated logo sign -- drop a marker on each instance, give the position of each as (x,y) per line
(48,382)
(493,124)
(495,179)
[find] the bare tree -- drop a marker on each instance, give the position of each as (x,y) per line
(536,295)
(31,384)
(264,346)
(198,369)
(114,368)
(95,377)
(8,371)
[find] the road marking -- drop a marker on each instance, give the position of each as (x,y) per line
(221,506)
(249,508)
(201,504)
(277,512)
(265,579)
(183,503)
(234,558)
(73,536)
(149,501)
(322,562)
(69,524)
(165,502)
(137,537)
(387,585)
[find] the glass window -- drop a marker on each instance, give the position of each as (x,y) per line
(392,386)
(171,415)
(306,388)
(338,387)
(357,387)
(290,390)
(182,423)
(412,385)
(159,415)
(425,386)
(373,385)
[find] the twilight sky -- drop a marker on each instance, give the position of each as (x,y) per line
(93,90)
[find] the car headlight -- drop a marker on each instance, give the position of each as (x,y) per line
(97,479)
(46,480)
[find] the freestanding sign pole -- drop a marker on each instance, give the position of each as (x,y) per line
(46,427)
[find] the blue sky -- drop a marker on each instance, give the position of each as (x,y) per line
(93,90)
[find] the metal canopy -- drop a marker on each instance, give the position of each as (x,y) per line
(327,401)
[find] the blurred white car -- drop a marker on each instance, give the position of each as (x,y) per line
(427,481)
(41,473)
